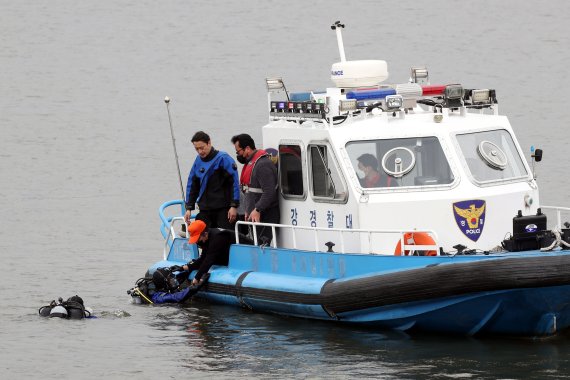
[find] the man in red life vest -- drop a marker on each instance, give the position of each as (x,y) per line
(258,182)
(368,164)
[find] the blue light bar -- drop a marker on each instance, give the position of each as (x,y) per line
(370,94)
(300,96)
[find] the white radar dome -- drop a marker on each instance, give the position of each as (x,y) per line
(367,73)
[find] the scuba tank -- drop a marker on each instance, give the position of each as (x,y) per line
(142,291)
(73,308)
(162,280)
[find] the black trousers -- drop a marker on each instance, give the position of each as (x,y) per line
(264,233)
(217,218)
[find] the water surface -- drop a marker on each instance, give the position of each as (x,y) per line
(86,159)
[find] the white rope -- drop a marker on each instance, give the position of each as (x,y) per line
(554,244)
(564,244)
(558,242)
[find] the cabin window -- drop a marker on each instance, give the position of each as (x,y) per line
(491,156)
(418,161)
(326,181)
(291,171)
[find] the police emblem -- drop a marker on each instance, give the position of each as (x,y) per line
(470,217)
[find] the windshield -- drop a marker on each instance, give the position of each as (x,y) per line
(417,161)
(491,156)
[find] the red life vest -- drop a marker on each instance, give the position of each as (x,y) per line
(247,171)
(376,181)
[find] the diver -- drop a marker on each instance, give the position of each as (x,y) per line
(73,308)
(167,285)
(172,284)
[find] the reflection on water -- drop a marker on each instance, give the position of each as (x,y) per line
(223,339)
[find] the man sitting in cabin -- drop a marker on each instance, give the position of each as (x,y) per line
(215,244)
(258,181)
(368,164)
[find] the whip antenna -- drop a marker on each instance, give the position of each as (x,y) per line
(167,101)
(337,26)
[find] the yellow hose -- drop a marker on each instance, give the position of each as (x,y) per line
(143,296)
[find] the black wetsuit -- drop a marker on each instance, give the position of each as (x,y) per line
(213,184)
(216,250)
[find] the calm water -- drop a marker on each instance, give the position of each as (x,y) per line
(86,159)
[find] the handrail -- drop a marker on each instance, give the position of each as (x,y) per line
(558,210)
(166,221)
(169,234)
(342,231)
(167,225)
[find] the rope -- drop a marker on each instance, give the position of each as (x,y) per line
(558,242)
(554,244)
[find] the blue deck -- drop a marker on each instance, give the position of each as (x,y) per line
(328,265)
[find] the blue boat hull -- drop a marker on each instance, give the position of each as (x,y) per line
(520,294)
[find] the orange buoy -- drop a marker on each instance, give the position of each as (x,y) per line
(416,238)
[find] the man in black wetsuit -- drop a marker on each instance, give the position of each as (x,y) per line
(215,244)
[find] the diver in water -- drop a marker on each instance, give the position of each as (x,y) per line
(172,284)
(73,308)
(165,287)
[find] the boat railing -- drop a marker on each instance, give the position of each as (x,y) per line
(167,227)
(342,232)
(559,210)
(169,223)
(171,234)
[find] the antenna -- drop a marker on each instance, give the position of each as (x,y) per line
(167,101)
(337,26)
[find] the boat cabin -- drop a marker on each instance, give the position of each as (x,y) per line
(366,156)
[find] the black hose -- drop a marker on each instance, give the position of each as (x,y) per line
(339,117)
(372,106)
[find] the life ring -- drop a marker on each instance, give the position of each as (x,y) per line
(416,238)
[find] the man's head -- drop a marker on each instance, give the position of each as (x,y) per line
(202,143)
(198,232)
(367,162)
(245,146)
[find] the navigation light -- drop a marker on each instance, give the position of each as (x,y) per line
(380,93)
(274,84)
(432,90)
(348,105)
(419,75)
(453,95)
(394,102)
(481,96)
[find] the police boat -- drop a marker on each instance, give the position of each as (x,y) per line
(452,239)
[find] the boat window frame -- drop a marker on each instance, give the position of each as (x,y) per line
(465,166)
(338,168)
(303,150)
(448,153)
